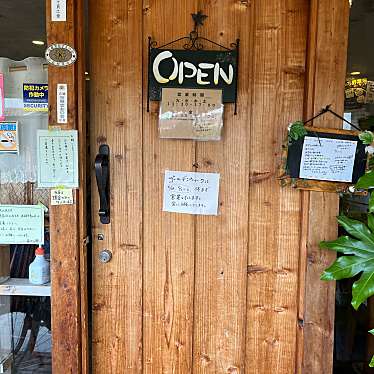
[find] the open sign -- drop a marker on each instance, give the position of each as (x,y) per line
(193,69)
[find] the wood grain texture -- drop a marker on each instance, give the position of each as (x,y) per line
(328,38)
(223,294)
(82,193)
(169,239)
(64,220)
(222,241)
(4,262)
(116,119)
(274,213)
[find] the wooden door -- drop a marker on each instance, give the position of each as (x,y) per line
(213,294)
(36,319)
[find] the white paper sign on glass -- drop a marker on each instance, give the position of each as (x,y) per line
(58,159)
(58,10)
(21,224)
(328,159)
(191,193)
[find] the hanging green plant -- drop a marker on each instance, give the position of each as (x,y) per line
(296,130)
(367,137)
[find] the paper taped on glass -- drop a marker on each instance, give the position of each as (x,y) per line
(191,114)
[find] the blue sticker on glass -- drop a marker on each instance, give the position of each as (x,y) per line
(35,97)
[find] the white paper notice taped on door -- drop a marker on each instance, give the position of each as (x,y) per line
(62,196)
(62,103)
(21,224)
(191,193)
(328,159)
(58,159)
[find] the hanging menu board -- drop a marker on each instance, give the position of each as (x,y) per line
(325,160)
(21,224)
(58,159)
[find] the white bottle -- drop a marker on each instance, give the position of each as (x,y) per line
(39,270)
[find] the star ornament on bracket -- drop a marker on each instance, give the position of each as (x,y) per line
(199,18)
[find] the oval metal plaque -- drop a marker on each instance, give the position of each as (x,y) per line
(60,55)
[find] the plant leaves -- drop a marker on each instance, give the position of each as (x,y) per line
(372,359)
(371,222)
(349,246)
(357,229)
(366,181)
(363,288)
(297,130)
(371,203)
(358,258)
(367,137)
(348,267)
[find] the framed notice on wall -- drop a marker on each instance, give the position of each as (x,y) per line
(328,160)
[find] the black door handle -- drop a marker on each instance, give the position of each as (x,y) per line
(103,185)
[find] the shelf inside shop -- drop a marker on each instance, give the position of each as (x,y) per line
(22,287)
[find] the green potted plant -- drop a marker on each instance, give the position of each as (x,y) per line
(357,248)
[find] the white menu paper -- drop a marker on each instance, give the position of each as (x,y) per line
(191,193)
(21,224)
(58,159)
(328,159)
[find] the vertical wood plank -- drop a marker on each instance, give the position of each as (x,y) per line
(64,220)
(221,241)
(168,237)
(116,117)
(83,171)
(327,65)
(280,30)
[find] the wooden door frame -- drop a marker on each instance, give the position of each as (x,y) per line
(68,223)
(326,74)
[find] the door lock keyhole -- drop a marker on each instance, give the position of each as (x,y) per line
(105,256)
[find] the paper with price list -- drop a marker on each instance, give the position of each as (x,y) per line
(328,159)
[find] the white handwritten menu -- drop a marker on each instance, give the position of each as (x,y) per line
(191,193)
(328,159)
(21,224)
(58,158)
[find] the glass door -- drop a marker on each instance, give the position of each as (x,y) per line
(41,238)
(25,307)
